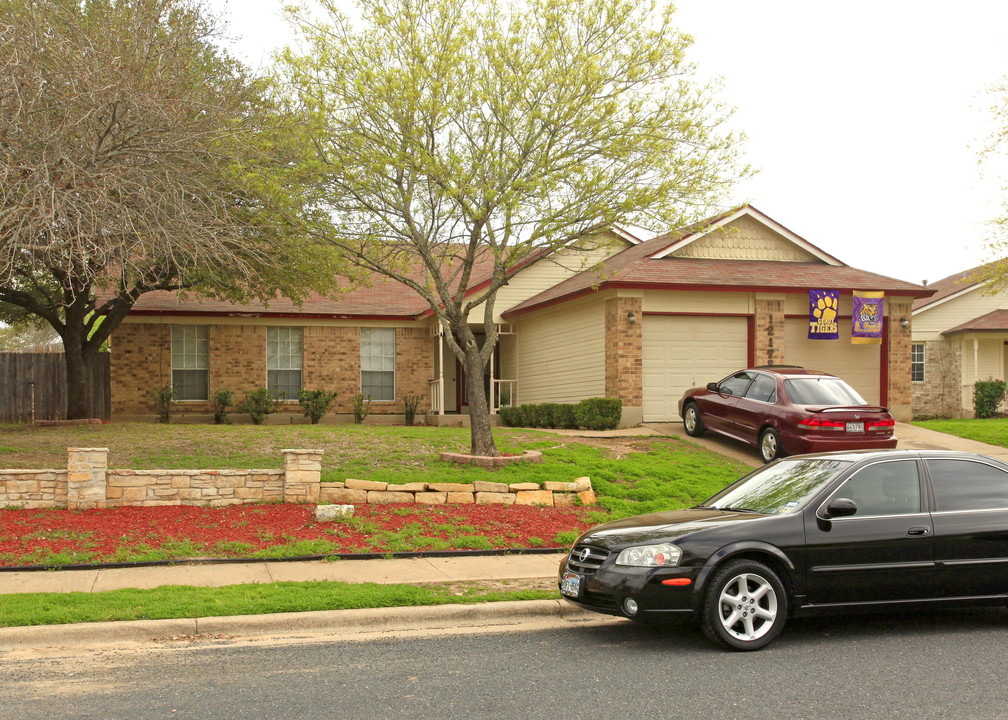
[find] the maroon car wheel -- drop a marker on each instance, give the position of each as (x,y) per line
(691,421)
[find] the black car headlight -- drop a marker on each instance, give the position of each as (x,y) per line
(662,555)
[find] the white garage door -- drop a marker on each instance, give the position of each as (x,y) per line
(857,364)
(681,352)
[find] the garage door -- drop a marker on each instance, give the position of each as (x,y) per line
(857,364)
(680,352)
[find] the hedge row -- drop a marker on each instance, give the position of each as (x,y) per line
(589,414)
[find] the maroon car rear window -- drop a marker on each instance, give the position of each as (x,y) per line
(821,391)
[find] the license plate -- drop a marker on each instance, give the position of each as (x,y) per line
(855,427)
(570,585)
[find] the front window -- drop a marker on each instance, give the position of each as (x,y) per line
(780,488)
(822,390)
(917,362)
(736,384)
(190,359)
(885,488)
(283,361)
(378,363)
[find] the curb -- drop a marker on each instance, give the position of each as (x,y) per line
(335,623)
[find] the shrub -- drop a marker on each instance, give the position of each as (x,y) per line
(987,396)
(259,403)
(222,400)
(410,403)
(598,413)
(315,403)
(512,416)
(563,417)
(361,409)
(164,403)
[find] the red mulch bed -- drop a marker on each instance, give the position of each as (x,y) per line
(33,537)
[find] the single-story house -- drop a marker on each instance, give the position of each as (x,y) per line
(638,320)
(959,336)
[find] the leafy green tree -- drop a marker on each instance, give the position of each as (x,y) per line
(443,132)
(136,155)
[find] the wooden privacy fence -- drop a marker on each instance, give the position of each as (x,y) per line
(48,395)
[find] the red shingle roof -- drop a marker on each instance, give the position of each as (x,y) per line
(950,286)
(634,268)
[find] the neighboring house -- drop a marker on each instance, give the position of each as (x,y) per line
(959,337)
(641,321)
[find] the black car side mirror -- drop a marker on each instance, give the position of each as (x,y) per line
(841,507)
(712,386)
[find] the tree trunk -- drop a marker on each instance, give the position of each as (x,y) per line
(80,363)
(482,441)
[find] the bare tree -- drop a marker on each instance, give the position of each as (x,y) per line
(447,133)
(135,155)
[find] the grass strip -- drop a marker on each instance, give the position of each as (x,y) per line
(186,601)
(993,431)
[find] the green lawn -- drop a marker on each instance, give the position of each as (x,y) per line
(993,431)
(632,475)
(184,601)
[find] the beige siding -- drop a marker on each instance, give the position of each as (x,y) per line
(547,273)
(929,323)
(561,353)
(859,365)
(745,239)
(732,303)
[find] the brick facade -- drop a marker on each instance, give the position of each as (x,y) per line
(624,373)
(940,394)
(899,400)
(769,341)
(331,360)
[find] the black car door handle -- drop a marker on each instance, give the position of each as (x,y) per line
(918,530)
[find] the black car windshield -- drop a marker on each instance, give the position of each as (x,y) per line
(821,391)
(780,488)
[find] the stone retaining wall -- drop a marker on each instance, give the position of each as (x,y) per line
(87,482)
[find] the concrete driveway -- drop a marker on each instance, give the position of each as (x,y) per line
(910,438)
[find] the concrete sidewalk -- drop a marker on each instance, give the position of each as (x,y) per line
(386,572)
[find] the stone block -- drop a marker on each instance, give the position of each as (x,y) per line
(587,497)
(450,487)
(431,498)
(333,513)
(516,487)
(347,496)
(408,487)
(582,484)
(495,498)
(561,499)
(354,484)
(462,498)
(534,497)
(384,497)
(560,486)
(481,486)
(484,461)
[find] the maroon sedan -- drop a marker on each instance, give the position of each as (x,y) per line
(787,410)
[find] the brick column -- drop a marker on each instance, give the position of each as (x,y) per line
(624,347)
(769,330)
(86,474)
(900,400)
(302,475)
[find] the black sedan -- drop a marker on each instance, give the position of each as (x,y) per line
(826,531)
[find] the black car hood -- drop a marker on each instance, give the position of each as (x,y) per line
(662,526)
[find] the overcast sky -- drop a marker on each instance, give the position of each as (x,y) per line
(864,119)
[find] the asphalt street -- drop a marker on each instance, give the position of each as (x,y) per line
(937,664)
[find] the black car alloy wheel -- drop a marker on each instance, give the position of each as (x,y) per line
(745,606)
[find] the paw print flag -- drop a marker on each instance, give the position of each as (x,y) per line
(866,320)
(823,306)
